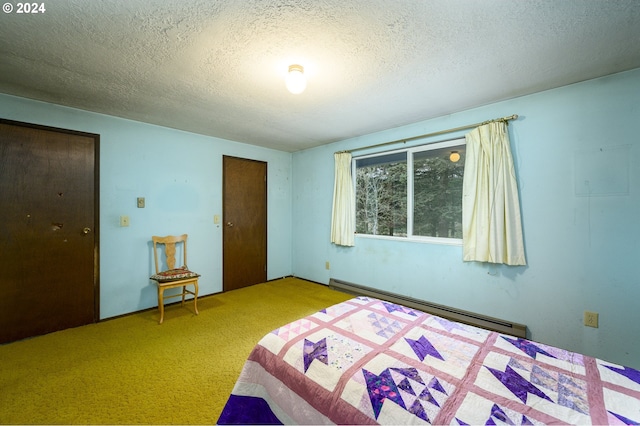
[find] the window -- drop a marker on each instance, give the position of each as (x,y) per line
(381,195)
(414,193)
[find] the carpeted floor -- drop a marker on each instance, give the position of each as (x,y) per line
(131,370)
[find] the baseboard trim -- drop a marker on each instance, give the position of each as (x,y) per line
(453,314)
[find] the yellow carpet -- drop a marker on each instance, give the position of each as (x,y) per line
(131,370)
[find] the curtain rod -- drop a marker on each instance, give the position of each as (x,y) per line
(441,132)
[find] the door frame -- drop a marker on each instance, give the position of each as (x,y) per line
(96,200)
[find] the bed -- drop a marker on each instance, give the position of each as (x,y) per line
(369,361)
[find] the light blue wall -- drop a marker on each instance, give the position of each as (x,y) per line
(583,252)
(180,175)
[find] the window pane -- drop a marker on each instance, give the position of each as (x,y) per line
(381,195)
(437,201)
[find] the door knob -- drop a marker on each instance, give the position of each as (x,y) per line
(86,231)
(229,224)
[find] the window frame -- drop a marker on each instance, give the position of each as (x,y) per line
(410,151)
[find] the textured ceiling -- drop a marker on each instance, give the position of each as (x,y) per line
(218,67)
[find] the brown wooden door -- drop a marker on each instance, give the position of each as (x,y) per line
(245,222)
(48,235)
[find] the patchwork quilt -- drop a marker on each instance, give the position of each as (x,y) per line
(367,361)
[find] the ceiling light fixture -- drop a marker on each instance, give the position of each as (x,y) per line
(454,157)
(296,81)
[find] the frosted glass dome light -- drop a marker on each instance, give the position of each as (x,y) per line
(296,81)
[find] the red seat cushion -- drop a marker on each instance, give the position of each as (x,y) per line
(174,275)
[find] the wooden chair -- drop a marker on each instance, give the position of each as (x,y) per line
(173,277)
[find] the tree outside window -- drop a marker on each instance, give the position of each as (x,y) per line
(437,193)
(381,195)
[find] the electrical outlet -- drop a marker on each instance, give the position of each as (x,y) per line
(591,319)
(124,220)
(140,201)
(326,265)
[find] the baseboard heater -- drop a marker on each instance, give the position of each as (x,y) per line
(453,314)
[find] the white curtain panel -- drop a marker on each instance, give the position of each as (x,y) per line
(491,223)
(343,216)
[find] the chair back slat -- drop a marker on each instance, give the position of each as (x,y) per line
(169,242)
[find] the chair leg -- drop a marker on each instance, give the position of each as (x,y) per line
(184,292)
(161,304)
(195,296)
